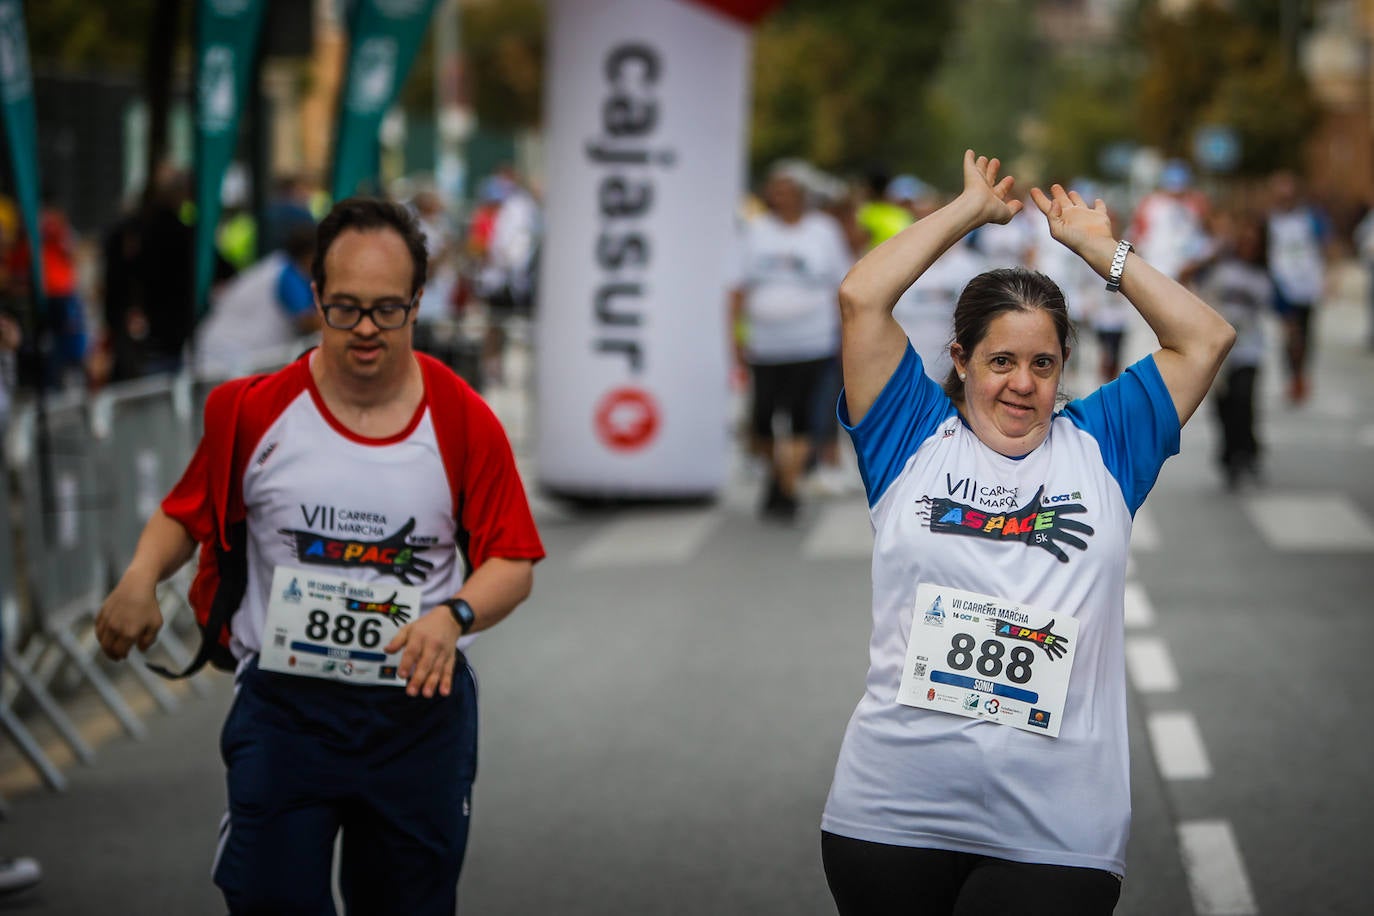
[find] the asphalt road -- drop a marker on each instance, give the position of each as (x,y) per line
(660,721)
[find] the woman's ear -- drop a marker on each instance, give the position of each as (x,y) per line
(960,360)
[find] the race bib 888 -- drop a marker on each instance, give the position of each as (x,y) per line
(987,658)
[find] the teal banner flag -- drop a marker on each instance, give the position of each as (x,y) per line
(384,38)
(226,47)
(21,130)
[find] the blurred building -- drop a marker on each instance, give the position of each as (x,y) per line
(1335,55)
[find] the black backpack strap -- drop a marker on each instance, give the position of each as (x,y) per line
(232,565)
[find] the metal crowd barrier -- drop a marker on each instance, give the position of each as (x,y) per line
(143,441)
(20,675)
(63,505)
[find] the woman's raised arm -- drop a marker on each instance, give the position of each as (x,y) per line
(872,342)
(1193,339)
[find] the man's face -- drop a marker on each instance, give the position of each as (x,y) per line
(368,269)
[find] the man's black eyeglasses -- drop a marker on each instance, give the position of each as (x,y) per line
(388,316)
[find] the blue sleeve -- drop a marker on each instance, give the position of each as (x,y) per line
(1135,424)
(907,412)
(293,292)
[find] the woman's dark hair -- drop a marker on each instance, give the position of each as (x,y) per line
(1004,290)
(367,214)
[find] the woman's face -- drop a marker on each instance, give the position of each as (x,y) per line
(1011,379)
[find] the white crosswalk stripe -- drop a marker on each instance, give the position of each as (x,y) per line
(1312,522)
(842,530)
(658,537)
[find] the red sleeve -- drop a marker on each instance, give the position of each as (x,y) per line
(489,505)
(493,512)
(197,496)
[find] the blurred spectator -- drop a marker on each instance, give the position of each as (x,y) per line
(1364,248)
(1298,248)
(881,217)
(1236,282)
(506,280)
(441,246)
(288,209)
(926,309)
(149,281)
(792,260)
(63,357)
(914,196)
(1167,228)
(262,314)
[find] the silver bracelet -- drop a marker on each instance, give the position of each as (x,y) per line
(1123,248)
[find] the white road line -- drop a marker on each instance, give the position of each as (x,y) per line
(1144,533)
(1314,522)
(842,531)
(664,537)
(1216,872)
(1139,612)
(1178,746)
(1150,664)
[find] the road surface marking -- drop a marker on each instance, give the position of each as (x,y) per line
(1312,522)
(1139,612)
(1178,746)
(1216,872)
(663,537)
(842,531)
(1150,664)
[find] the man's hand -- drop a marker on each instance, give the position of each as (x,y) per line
(431,649)
(129,617)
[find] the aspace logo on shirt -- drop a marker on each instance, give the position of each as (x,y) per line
(390,608)
(393,555)
(1037,523)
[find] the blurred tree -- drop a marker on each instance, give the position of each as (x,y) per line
(503,64)
(990,81)
(844,85)
(134,36)
(81,35)
(1090,104)
(1211,65)
(503,61)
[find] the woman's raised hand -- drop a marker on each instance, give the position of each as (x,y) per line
(1083,229)
(992,197)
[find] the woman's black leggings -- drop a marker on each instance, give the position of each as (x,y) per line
(875,879)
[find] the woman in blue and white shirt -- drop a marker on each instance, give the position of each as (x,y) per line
(985,769)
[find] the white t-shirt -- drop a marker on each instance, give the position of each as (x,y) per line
(1295,254)
(1242,293)
(920,778)
(1167,232)
(791,275)
(1010,244)
(926,310)
(318,495)
(249,328)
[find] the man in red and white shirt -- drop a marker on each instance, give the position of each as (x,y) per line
(359,516)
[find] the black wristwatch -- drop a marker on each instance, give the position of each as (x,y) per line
(462,612)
